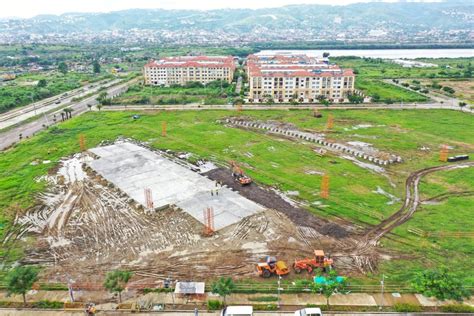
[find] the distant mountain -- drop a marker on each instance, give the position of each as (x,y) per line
(392,22)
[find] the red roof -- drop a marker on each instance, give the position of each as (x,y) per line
(194,61)
(293,66)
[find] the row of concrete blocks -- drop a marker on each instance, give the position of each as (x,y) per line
(319,140)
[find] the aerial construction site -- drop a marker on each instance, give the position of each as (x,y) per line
(177,213)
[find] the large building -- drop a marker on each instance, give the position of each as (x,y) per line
(300,78)
(183,69)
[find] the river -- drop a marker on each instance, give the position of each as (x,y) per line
(383,53)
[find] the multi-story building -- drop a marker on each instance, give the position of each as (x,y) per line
(183,69)
(286,78)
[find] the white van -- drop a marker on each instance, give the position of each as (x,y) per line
(237,311)
(309,312)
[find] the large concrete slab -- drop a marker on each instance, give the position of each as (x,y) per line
(133,169)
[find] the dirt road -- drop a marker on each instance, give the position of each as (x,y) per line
(411,203)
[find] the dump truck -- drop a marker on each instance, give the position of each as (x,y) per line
(320,261)
(271,266)
(239,175)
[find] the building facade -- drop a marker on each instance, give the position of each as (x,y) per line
(300,78)
(183,69)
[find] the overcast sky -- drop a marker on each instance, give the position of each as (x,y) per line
(29,8)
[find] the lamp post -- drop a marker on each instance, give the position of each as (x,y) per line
(382,284)
(279,283)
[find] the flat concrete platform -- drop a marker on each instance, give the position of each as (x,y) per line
(133,169)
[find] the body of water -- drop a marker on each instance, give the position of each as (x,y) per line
(382,53)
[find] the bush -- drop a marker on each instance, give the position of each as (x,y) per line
(406,308)
(214,305)
(48,304)
(267,307)
(158,290)
(264,299)
(457,308)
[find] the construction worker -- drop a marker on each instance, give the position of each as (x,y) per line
(196,311)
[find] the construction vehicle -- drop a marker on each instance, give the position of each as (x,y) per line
(271,266)
(320,261)
(239,175)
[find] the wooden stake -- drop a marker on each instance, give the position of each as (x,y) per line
(325,187)
(163,129)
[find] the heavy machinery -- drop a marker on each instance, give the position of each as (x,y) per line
(320,261)
(239,175)
(271,266)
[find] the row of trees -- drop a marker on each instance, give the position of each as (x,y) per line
(441,284)
(63,67)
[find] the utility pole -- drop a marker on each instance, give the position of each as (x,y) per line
(382,284)
(279,288)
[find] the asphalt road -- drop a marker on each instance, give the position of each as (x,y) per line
(11,136)
(21,114)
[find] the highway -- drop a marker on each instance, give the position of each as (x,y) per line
(12,135)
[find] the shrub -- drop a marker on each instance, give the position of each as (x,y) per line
(406,308)
(267,307)
(48,304)
(457,308)
(264,299)
(214,305)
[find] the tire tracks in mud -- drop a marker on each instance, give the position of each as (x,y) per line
(411,203)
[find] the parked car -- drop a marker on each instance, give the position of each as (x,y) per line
(237,311)
(309,312)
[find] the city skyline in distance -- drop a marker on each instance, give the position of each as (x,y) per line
(32,8)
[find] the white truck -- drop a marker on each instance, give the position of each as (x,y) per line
(309,312)
(237,311)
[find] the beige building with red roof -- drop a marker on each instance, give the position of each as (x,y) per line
(183,69)
(286,78)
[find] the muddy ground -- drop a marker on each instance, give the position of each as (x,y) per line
(84,226)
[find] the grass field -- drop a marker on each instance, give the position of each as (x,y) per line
(371,72)
(213,93)
(286,165)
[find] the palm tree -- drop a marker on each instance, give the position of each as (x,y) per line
(223,287)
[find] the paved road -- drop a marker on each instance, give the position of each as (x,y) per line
(22,114)
(11,136)
(367,106)
(13,312)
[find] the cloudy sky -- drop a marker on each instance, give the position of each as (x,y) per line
(29,8)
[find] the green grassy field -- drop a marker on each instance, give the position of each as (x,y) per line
(288,166)
(371,72)
(213,93)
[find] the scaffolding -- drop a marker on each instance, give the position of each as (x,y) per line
(443,153)
(330,122)
(325,187)
(208,221)
(82,142)
(163,129)
(148,199)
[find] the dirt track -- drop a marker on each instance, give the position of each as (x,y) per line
(411,203)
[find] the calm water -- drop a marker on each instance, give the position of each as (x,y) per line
(384,53)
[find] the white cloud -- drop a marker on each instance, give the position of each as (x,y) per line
(29,8)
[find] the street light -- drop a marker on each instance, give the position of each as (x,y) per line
(279,282)
(382,284)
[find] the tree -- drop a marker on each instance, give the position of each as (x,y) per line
(325,103)
(462,105)
(99,106)
(42,83)
(333,284)
(62,67)
(68,113)
(116,281)
(441,284)
(356,99)
(89,106)
(96,67)
(20,280)
(223,287)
